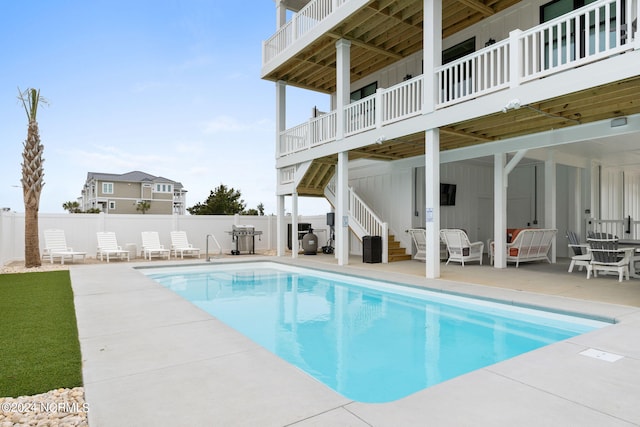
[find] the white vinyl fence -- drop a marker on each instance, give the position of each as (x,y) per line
(80,230)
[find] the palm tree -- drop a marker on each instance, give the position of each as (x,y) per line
(32,176)
(143,206)
(72,207)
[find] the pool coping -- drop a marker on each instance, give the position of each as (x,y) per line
(150,356)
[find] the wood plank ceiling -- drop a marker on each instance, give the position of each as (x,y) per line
(387,30)
(381,33)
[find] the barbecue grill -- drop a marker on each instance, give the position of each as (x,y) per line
(244,238)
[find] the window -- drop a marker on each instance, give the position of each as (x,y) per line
(107,188)
(465,48)
(164,188)
(365,91)
(457,81)
(554,41)
(112,205)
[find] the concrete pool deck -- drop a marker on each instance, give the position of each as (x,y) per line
(151,358)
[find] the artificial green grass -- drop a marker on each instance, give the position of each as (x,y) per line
(39,346)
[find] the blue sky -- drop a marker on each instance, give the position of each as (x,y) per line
(168,87)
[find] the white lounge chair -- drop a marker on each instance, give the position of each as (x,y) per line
(108,246)
(151,245)
(180,244)
(55,246)
(460,248)
(419,236)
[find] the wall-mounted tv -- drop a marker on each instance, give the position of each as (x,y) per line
(447,194)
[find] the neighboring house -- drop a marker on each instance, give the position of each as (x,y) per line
(121,194)
(526,111)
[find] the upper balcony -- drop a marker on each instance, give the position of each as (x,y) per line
(302,52)
(595,33)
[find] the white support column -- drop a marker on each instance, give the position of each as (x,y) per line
(281,96)
(576,203)
(343,83)
(595,191)
(500,211)
(550,200)
(432,199)
(294,225)
(343,89)
(281,227)
(432,51)
(281,14)
(342,208)
(281,113)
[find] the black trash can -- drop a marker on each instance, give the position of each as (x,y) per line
(372,249)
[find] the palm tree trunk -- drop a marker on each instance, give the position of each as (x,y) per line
(32,182)
(31,240)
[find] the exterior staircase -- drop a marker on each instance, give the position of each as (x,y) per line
(396,251)
(363,221)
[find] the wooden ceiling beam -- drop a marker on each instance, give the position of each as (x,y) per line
(366,46)
(464,134)
(478,6)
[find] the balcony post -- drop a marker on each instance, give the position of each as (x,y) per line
(343,83)
(281,114)
(432,48)
(378,107)
(515,58)
(281,14)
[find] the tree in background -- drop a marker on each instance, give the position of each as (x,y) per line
(259,211)
(32,176)
(72,207)
(143,206)
(221,201)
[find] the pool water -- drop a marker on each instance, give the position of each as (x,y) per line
(369,341)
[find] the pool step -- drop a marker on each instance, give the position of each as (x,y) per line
(396,251)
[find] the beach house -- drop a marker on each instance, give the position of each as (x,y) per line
(475,114)
(132,193)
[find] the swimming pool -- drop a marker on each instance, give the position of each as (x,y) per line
(370,341)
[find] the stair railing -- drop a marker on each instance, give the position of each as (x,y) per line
(363,220)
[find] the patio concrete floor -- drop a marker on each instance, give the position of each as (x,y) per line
(151,358)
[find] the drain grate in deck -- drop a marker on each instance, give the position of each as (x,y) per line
(601,355)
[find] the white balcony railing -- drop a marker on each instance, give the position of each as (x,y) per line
(624,229)
(360,116)
(322,129)
(589,34)
(402,101)
(586,35)
(480,73)
(287,175)
(300,24)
